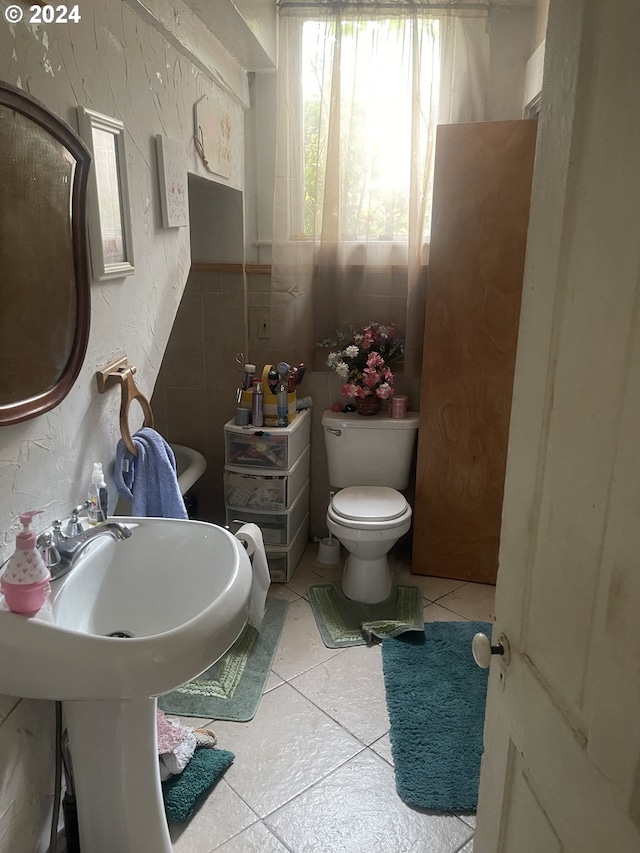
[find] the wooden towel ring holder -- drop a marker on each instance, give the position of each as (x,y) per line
(120,372)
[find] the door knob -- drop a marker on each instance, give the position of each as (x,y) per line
(483,650)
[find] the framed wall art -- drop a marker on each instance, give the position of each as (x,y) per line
(172,174)
(109,215)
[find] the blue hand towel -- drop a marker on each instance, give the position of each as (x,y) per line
(151,482)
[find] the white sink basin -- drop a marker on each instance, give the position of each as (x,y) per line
(180,592)
(179,589)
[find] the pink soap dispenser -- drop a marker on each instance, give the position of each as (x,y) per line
(25,582)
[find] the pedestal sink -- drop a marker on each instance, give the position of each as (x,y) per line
(132,620)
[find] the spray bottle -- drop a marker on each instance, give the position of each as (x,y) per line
(97,496)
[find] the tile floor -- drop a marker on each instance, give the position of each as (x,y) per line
(313,770)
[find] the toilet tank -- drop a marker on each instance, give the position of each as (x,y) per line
(369,450)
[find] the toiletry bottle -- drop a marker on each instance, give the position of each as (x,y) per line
(272,379)
(257,407)
(97,496)
(283,371)
(25,582)
(248,377)
(282,394)
(282,404)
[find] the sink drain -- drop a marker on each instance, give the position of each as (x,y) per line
(126,635)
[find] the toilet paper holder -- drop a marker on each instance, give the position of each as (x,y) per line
(240,522)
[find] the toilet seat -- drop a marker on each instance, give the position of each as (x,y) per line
(369,508)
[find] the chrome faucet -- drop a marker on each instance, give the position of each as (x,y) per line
(60,550)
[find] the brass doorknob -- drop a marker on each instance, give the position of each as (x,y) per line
(483,650)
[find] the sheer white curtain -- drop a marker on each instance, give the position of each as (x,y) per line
(360,92)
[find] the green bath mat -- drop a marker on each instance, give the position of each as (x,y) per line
(436,698)
(183,793)
(232,688)
(343,622)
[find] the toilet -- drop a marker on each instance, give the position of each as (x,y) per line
(369,459)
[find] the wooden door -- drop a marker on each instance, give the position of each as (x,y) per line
(561,765)
(482,189)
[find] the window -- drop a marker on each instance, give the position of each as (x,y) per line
(369,99)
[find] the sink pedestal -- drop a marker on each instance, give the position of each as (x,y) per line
(117,776)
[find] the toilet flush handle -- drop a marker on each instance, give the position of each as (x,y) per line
(334,431)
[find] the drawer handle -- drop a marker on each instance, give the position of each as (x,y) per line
(334,431)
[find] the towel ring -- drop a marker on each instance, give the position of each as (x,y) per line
(121,373)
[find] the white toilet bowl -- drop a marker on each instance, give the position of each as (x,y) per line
(368,520)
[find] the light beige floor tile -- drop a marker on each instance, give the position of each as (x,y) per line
(468,848)
(436,613)
(350,688)
(432,588)
(309,554)
(301,645)
(255,839)
(272,681)
(282,592)
(356,809)
(470,819)
(305,575)
(473,601)
(289,745)
(383,748)
(221,816)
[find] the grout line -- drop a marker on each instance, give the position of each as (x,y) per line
(317,781)
(337,722)
(308,669)
(275,835)
(464,843)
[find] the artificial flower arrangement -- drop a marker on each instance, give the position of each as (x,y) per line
(363,359)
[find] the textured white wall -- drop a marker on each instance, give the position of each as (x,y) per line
(114,62)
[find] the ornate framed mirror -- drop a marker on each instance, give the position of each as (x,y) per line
(44,274)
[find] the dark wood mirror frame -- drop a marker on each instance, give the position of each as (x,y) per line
(77,284)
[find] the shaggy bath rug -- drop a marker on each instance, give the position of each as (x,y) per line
(232,688)
(183,793)
(436,698)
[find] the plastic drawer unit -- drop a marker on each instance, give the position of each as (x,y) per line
(278,528)
(266,482)
(273,447)
(282,561)
(264,490)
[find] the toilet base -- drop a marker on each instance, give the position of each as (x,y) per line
(368,581)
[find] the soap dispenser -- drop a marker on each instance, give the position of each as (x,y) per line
(25,582)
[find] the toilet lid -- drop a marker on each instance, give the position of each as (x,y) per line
(369,503)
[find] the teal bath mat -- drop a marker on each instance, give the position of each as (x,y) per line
(436,699)
(183,793)
(232,688)
(343,622)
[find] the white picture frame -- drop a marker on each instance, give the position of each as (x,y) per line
(108,207)
(172,175)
